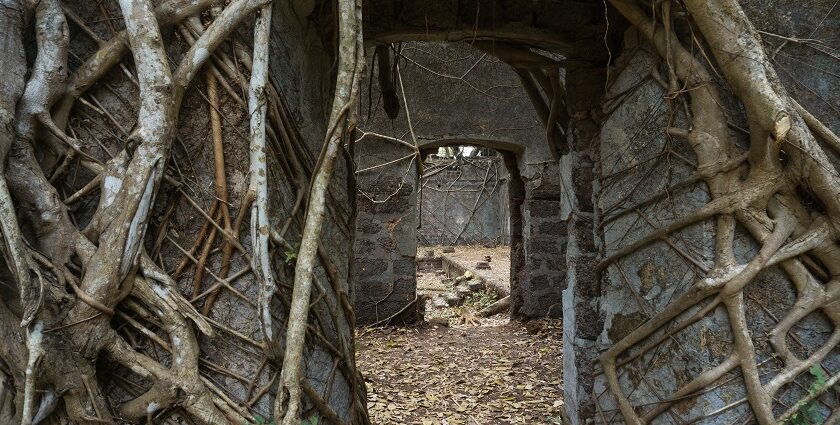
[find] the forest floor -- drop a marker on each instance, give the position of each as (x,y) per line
(459,368)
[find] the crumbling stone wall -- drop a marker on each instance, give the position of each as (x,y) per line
(632,144)
(463,201)
(578,171)
(544,235)
(616,140)
(632,156)
(385,251)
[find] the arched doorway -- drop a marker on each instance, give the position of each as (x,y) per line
(492,131)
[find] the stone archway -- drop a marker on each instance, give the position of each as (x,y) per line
(387,234)
(741,111)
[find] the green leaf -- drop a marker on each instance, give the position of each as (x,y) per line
(813,413)
(820,378)
(289,257)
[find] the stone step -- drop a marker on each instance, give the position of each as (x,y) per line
(482,265)
(463,290)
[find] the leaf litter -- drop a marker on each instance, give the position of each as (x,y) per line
(490,372)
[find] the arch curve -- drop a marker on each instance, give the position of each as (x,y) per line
(499,144)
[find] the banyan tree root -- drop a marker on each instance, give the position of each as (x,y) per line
(71,285)
(350,68)
(784,161)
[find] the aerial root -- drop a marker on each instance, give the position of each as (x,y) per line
(802,242)
(350,67)
(115,265)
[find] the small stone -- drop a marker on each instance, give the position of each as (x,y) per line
(452,300)
(482,265)
(440,303)
(475,284)
(448,249)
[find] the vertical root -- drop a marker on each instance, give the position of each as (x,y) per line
(258,188)
(350,64)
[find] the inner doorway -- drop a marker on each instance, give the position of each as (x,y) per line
(464,361)
(439,192)
(463,235)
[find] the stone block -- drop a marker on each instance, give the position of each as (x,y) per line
(371,266)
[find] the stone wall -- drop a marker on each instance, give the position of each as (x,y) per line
(301,70)
(544,247)
(566,212)
(385,252)
(463,202)
(579,170)
(634,156)
(643,283)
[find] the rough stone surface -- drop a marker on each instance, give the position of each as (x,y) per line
(643,283)
(561,208)
(463,201)
(579,299)
(385,252)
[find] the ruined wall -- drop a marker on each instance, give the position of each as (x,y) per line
(542,276)
(635,160)
(304,72)
(640,284)
(297,69)
(463,202)
(578,174)
(385,247)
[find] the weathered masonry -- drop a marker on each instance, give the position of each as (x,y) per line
(669,170)
(576,206)
(494,113)
(464,200)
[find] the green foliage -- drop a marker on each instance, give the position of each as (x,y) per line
(259,420)
(480,299)
(809,413)
(290,257)
(311,421)
(820,379)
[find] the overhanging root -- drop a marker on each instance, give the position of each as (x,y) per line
(106,266)
(258,190)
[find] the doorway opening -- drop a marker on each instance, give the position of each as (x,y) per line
(463,235)
(440,244)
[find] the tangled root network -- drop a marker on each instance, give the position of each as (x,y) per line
(95,327)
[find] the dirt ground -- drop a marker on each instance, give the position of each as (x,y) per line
(461,368)
(473,375)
